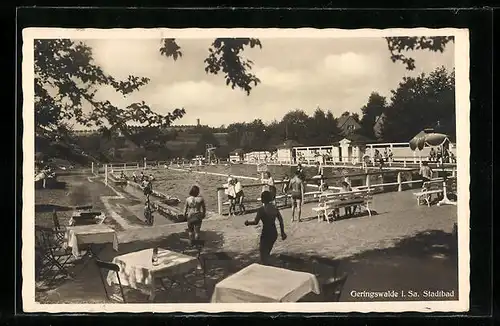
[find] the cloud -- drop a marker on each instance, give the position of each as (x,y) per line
(351,65)
(336,74)
(282,80)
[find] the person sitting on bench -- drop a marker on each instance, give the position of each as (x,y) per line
(348,210)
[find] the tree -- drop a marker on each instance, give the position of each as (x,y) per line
(375,107)
(421,102)
(295,123)
(224,56)
(400,44)
(67,78)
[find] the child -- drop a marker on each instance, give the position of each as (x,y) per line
(268,213)
(238,189)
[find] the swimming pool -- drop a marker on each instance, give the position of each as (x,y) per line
(178,183)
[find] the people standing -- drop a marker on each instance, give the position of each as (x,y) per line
(432,155)
(301,174)
(231,196)
(285,187)
(240,196)
(269,185)
(296,186)
(268,213)
(194,211)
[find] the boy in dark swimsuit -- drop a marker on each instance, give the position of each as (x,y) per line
(296,186)
(268,214)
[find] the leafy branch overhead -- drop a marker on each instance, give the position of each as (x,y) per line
(397,45)
(225,55)
(67,78)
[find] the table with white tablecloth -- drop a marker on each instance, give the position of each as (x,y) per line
(259,283)
(138,272)
(88,235)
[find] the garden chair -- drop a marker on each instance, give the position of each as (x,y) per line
(111,267)
(52,253)
(60,231)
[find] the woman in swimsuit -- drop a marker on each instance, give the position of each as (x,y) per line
(268,213)
(194,211)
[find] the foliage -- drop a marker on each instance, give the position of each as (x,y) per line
(426,101)
(375,107)
(225,55)
(66,83)
(398,45)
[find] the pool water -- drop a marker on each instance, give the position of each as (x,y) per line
(178,183)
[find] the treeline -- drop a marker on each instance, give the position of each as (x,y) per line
(425,101)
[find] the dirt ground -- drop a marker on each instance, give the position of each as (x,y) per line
(401,247)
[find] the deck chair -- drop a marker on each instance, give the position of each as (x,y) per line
(319,261)
(111,267)
(332,288)
(51,253)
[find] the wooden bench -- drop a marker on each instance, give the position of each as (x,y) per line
(331,202)
(429,188)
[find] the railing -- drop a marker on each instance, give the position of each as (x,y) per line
(368,183)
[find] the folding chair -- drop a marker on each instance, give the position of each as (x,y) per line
(332,288)
(107,266)
(58,228)
(51,253)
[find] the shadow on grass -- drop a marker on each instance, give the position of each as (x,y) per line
(425,261)
(51,185)
(45,208)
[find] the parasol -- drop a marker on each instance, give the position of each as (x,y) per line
(427,137)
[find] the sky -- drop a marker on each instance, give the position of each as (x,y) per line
(335,74)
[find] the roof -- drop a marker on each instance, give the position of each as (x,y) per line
(356,139)
(288,144)
(342,120)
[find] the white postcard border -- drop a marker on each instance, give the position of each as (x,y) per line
(463,152)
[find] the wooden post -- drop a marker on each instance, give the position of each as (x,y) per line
(92,167)
(145,164)
(454,172)
(220,194)
(367,181)
(400,186)
(404,162)
(106,174)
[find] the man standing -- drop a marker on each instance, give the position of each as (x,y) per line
(297,188)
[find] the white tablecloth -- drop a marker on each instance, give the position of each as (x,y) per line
(138,271)
(258,283)
(90,234)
